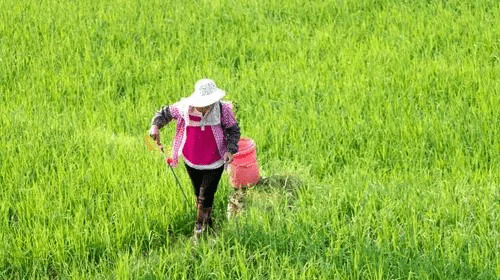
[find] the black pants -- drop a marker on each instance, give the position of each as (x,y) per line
(205,184)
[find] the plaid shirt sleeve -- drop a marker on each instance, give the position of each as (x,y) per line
(232,128)
(162,117)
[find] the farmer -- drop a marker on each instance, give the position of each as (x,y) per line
(207,135)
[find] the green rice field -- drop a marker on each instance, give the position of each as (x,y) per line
(385,115)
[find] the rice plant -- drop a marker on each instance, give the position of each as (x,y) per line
(386,114)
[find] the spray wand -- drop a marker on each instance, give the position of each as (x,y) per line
(154,146)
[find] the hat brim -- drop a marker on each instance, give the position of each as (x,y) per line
(202,101)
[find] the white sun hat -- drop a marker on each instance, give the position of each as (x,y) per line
(205,93)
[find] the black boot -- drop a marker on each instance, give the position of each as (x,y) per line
(203,220)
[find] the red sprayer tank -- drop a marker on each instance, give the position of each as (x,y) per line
(244,170)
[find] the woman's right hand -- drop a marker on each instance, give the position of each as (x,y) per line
(170,162)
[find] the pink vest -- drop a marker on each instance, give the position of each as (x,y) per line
(180,113)
(200,147)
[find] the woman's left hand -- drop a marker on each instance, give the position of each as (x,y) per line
(228,158)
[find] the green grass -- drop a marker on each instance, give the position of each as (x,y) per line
(387,111)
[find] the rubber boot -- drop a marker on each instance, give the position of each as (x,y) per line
(203,220)
(198,227)
(207,216)
(203,217)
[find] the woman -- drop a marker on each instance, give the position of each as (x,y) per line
(207,136)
